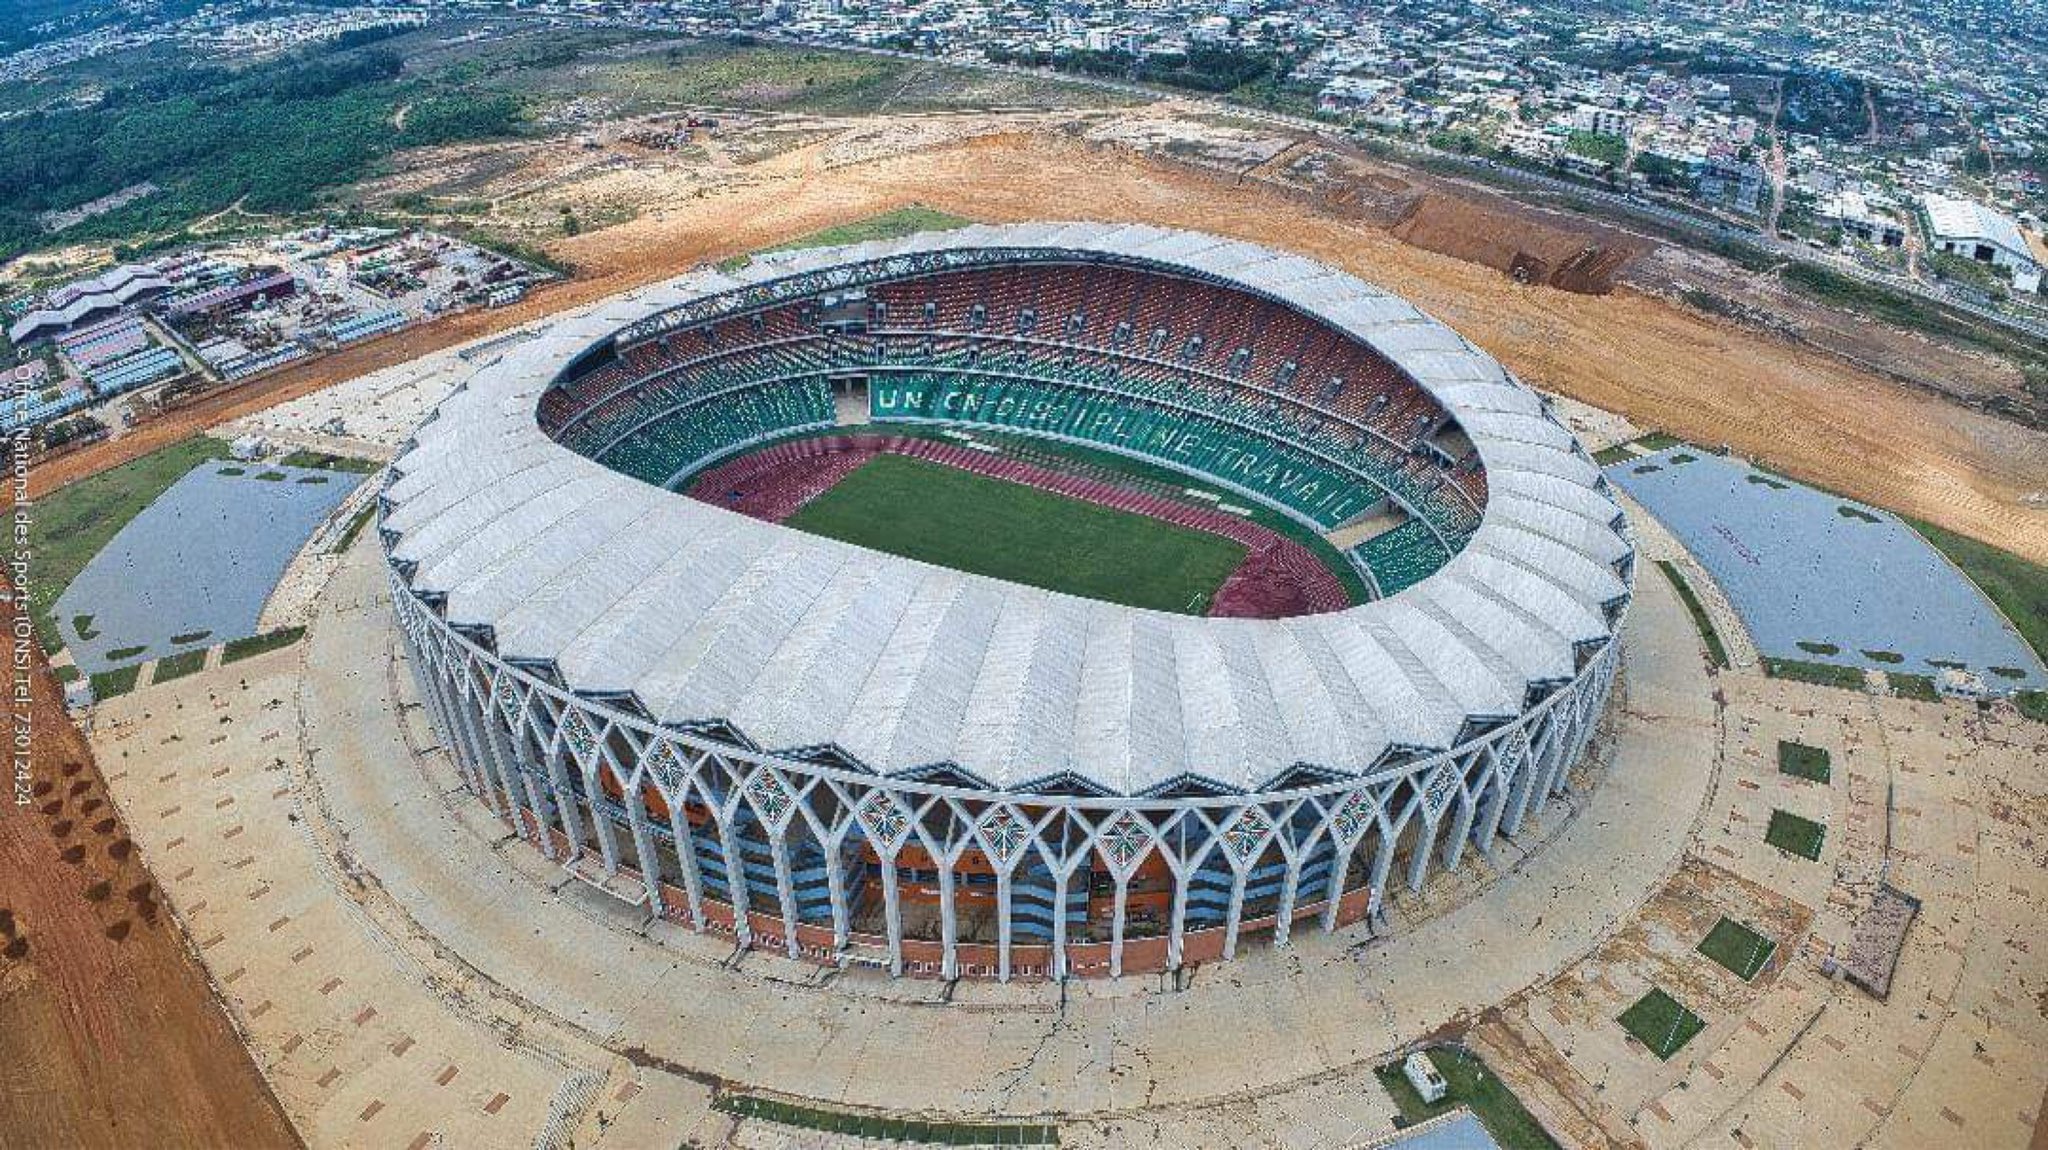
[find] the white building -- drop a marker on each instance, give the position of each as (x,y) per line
(1973,231)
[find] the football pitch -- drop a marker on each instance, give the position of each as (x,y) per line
(939,514)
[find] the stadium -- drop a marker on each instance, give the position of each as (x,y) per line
(1033,601)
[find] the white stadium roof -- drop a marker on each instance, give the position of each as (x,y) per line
(797,641)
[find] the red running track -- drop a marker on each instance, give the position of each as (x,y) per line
(1278,578)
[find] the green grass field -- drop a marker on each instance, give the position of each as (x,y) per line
(874,1126)
(69,526)
(1803,762)
(1800,836)
(179,665)
(1716,650)
(1738,948)
(1468,1083)
(970,522)
(2020,588)
(1661,1023)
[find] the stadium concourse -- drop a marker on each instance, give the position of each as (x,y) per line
(860,758)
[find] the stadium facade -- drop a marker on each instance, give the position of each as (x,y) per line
(852,757)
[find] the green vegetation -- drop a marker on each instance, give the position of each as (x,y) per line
(270,137)
(189,637)
(120,653)
(1882,303)
(70,525)
(886,226)
(1716,650)
(1877,656)
(1790,832)
(2018,586)
(1848,512)
(82,625)
(1467,1083)
(1813,648)
(970,522)
(2032,704)
(179,665)
(1661,1023)
(1819,674)
(322,461)
(1609,456)
(68,673)
(240,649)
(1607,150)
(1804,762)
(355,527)
(234,471)
(881,1129)
(1762,480)
(271,476)
(119,681)
(1738,948)
(1919,687)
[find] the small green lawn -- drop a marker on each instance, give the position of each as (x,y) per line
(119,681)
(1468,1083)
(1661,1023)
(888,225)
(1797,835)
(179,665)
(323,461)
(884,1129)
(1738,948)
(1022,534)
(1819,674)
(1716,650)
(2018,586)
(1804,762)
(355,527)
(240,649)
(2032,704)
(1919,687)
(70,525)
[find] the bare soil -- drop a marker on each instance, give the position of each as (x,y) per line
(1761,393)
(109,1028)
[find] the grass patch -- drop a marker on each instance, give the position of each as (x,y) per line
(233,471)
(120,653)
(68,673)
(1609,456)
(271,476)
(2018,586)
(1919,687)
(119,681)
(179,665)
(2009,672)
(970,522)
(1661,1023)
(1889,657)
(886,1129)
(1766,481)
(1799,836)
(254,645)
(1803,762)
(69,526)
(1468,1083)
(1738,948)
(1715,649)
(1646,469)
(355,527)
(1813,648)
(886,226)
(81,625)
(1819,674)
(1658,441)
(311,479)
(1683,457)
(1848,512)
(2032,704)
(323,461)
(188,637)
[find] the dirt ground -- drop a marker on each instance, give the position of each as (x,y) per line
(1800,410)
(111,1030)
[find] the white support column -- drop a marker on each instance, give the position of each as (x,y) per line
(1525,779)
(949,928)
(1285,912)
(1116,928)
(1177,930)
(1340,866)
(835,889)
(785,888)
(1003,925)
(1461,826)
(643,848)
(686,857)
(892,913)
(1235,914)
(536,801)
(1382,871)
(1489,819)
(1061,877)
(1418,861)
(735,881)
(566,806)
